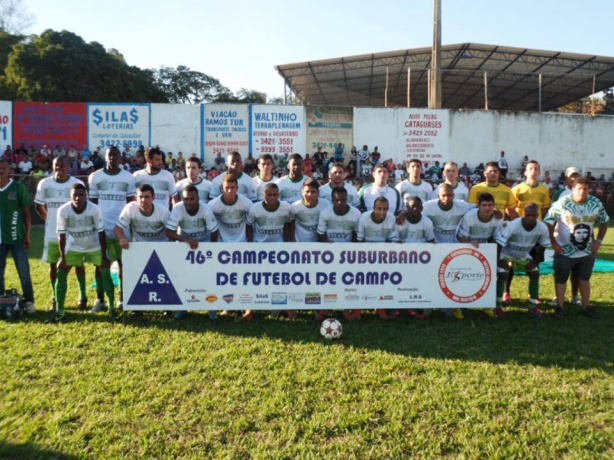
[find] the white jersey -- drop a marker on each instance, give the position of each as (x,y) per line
(53,194)
(461,192)
(162,182)
(245,183)
(111,191)
(231,219)
(421,232)
(290,190)
(81,229)
(373,232)
(199,226)
(268,225)
(445,223)
(422,190)
(204,188)
(259,185)
(326,192)
(471,226)
(306,220)
(339,228)
(516,241)
(370,192)
(142,227)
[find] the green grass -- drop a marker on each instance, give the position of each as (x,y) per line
(273,388)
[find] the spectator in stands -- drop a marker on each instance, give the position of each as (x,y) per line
(59,151)
(589,176)
(339,153)
(72,153)
(503,166)
(364,156)
(46,151)
(180,160)
(375,156)
(85,153)
(464,171)
(434,172)
(218,163)
(37,173)
(87,166)
(25,165)
(354,157)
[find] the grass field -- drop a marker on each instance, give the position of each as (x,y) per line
(515,388)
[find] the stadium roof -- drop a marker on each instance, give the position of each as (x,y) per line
(512,73)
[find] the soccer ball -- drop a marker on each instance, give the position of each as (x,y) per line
(331,329)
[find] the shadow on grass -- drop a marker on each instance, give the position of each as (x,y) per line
(10,451)
(572,342)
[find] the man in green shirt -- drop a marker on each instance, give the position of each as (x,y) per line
(15,226)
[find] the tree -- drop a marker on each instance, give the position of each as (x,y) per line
(183,85)
(243,96)
(60,66)
(584,106)
(14,18)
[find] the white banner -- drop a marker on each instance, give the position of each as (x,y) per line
(278,129)
(118,125)
(312,276)
(226,129)
(6,124)
(424,134)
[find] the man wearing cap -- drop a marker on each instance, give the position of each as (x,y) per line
(570,174)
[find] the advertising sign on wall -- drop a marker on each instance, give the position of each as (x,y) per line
(52,123)
(329,126)
(118,125)
(278,129)
(6,123)
(424,133)
(225,129)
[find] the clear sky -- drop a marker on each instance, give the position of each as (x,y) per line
(240,41)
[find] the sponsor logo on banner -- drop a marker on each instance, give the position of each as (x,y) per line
(279,298)
(406,289)
(262,299)
(330,298)
(352,298)
(193,299)
(228,298)
(211,298)
(246,298)
(154,286)
(296,297)
(464,275)
(386,297)
(118,125)
(313,298)
(367,297)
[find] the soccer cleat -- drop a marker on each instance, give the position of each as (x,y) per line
(590,312)
(447,313)
(56,317)
(499,312)
(291,314)
(213,315)
(275,313)
(458,313)
(577,300)
(348,315)
(382,313)
(427,312)
(321,315)
(183,314)
(238,317)
(507,298)
(538,302)
(99,306)
(558,312)
(54,305)
(357,315)
(30,308)
(490,312)
(120,305)
(248,315)
(114,314)
(393,314)
(83,304)
(536,312)
(554,302)
(415,314)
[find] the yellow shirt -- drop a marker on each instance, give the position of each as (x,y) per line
(525,194)
(503,195)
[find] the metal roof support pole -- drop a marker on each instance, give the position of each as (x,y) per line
(540,93)
(436,86)
(428,89)
(592,98)
(285,93)
(486,90)
(408,87)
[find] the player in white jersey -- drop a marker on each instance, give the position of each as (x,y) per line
(369,192)
(160,179)
(336,178)
(268,221)
(414,185)
(446,213)
(192,221)
(193,167)
(144,219)
(230,210)
(290,185)
(480,225)
(306,213)
(265,174)
(571,222)
(450,173)
(415,228)
(81,238)
(517,239)
(338,222)
(51,193)
(378,226)
(111,188)
(245,184)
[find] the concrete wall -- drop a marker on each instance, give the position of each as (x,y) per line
(176,127)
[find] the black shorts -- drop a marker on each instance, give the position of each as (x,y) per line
(582,267)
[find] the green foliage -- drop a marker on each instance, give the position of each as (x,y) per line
(185,86)
(272,388)
(60,66)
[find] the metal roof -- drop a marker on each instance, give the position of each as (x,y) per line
(512,74)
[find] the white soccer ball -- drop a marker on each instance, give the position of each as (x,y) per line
(331,329)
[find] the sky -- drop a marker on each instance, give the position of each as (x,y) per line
(240,42)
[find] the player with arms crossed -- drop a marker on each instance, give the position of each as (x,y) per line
(81,238)
(192,221)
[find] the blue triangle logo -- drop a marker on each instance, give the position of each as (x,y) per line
(154,286)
